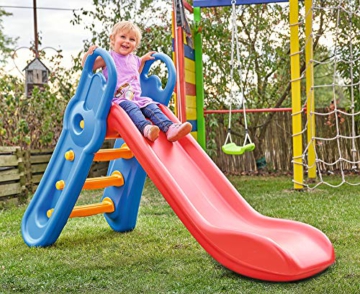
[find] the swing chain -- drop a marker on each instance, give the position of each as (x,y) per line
(237,66)
(234,38)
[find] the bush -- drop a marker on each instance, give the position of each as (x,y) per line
(34,122)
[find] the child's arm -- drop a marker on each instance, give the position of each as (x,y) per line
(146,57)
(99,62)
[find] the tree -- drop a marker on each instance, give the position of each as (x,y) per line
(264,41)
(152,18)
(265,58)
(347,40)
(6,43)
(33,122)
(19,124)
(263,37)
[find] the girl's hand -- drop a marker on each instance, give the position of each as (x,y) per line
(99,62)
(91,49)
(148,56)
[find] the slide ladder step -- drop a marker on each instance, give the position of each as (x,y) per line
(116,179)
(111,154)
(106,206)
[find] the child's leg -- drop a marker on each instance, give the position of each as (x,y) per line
(144,126)
(135,114)
(174,131)
(154,113)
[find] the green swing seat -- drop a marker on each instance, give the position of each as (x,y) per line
(233,149)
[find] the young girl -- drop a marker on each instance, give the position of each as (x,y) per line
(124,39)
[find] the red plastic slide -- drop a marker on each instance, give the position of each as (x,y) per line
(225,225)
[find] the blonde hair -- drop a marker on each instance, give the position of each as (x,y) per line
(125,26)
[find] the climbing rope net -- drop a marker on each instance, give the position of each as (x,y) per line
(334,138)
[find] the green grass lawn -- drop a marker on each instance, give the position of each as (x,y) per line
(160,255)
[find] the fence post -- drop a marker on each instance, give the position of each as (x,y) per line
(23,171)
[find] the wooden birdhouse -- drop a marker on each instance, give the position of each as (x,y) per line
(36,74)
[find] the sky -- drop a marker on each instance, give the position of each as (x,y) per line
(54,26)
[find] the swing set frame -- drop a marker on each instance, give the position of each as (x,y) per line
(295,78)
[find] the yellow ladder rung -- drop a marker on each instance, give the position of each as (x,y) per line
(106,206)
(116,179)
(111,154)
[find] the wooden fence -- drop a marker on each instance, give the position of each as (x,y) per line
(278,145)
(13,184)
(21,171)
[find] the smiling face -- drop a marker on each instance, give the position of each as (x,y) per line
(125,37)
(124,42)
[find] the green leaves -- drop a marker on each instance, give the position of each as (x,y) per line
(6,43)
(35,122)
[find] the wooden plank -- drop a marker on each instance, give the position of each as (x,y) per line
(190,101)
(189,64)
(10,201)
(189,77)
(35,179)
(99,165)
(10,189)
(9,175)
(34,187)
(99,173)
(36,168)
(191,113)
(41,151)
(40,159)
(8,160)
(8,149)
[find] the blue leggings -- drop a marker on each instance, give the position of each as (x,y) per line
(151,111)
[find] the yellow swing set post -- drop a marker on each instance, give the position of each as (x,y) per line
(295,94)
(310,107)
